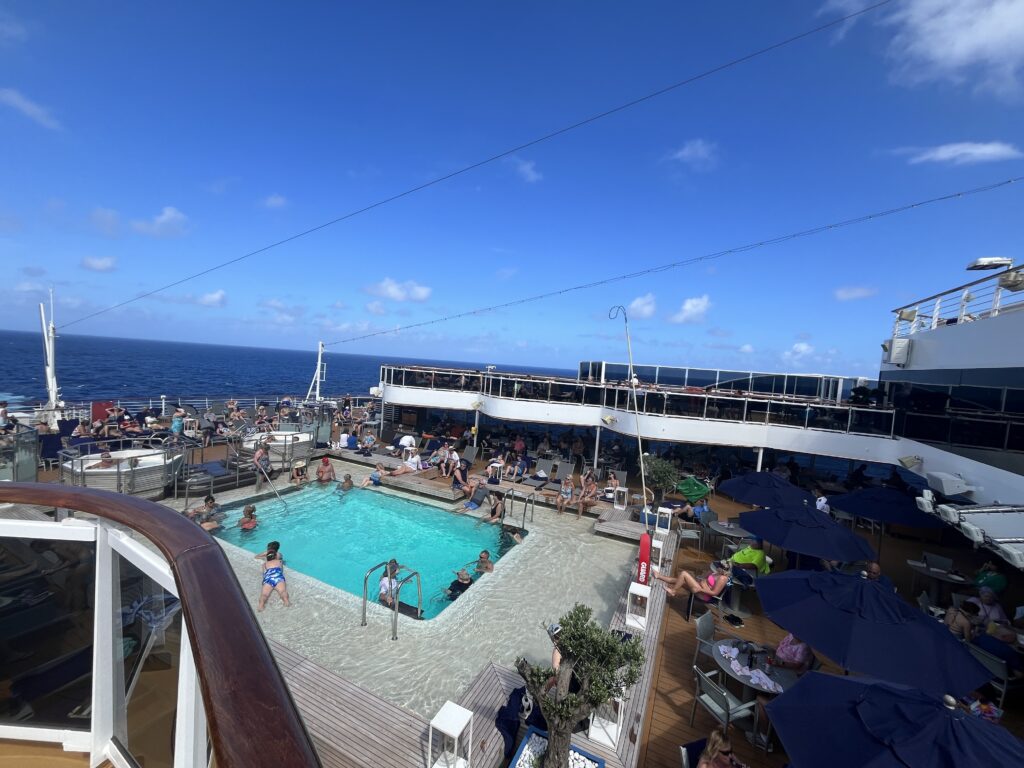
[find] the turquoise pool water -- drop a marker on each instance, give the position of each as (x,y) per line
(336,539)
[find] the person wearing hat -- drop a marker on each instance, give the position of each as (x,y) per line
(325,472)
(463,581)
(752,557)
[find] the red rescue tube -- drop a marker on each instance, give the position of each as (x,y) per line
(643,569)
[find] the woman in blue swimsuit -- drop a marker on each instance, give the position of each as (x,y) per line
(273,580)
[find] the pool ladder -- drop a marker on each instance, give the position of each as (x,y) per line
(529,503)
(397,596)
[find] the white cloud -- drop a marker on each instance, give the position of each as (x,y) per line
(643,306)
(30,109)
(526,169)
(693,310)
(25,287)
(747,349)
(376,308)
(699,154)
(339,304)
(216,298)
(106,221)
(407,291)
(275,201)
(963,153)
(170,222)
(854,292)
(11,30)
(960,41)
(99,263)
(797,352)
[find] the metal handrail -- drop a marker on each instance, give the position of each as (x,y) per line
(366,579)
(230,651)
(419,601)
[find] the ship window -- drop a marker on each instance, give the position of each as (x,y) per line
(984,434)
(645,373)
(927,398)
(655,403)
(1014,401)
(1016,438)
(977,398)
(929,428)
(767,383)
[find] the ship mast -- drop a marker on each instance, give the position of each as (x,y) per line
(53,409)
(313,393)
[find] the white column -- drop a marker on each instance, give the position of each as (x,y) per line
(760,457)
(104,661)
(190,720)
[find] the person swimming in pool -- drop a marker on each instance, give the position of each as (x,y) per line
(273,580)
(374,477)
(346,483)
(485,564)
(248,521)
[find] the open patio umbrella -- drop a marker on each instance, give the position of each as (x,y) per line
(886,505)
(692,489)
(864,627)
(764,489)
(849,722)
(806,531)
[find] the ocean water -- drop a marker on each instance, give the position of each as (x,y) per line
(97,368)
(337,539)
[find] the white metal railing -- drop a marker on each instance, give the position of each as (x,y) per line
(107,736)
(977,300)
(670,402)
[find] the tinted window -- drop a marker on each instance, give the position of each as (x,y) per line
(700,377)
(977,398)
(1014,401)
(736,380)
(672,377)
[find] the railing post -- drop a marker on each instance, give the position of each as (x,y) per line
(997,297)
(105,664)
(849,420)
(190,719)
(936,311)
(964,298)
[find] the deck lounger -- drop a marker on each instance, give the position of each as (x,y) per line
(543,465)
(469,455)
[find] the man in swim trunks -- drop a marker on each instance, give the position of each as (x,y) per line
(485,564)
(476,499)
(325,472)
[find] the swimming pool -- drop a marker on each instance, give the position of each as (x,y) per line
(337,538)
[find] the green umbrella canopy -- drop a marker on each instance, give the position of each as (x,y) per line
(692,489)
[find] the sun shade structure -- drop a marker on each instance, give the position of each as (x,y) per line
(765,489)
(864,627)
(849,722)
(807,531)
(692,489)
(886,505)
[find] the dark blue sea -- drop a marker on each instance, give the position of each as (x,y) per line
(98,368)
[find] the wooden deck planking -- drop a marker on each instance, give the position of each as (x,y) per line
(488,693)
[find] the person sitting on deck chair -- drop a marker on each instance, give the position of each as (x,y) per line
(712,585)
(752,557)
(587,498)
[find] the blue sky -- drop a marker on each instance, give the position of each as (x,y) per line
(140,144)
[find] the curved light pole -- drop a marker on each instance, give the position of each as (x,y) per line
(613,313)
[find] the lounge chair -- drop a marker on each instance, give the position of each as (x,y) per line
(543,465)
(469,455)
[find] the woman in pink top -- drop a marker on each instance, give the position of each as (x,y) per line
(793,654)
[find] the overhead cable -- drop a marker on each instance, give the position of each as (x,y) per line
(693,260)
(493,158)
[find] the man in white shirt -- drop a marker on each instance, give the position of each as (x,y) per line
(821,502)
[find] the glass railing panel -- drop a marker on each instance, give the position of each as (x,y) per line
(654,403)
(757,411)
(690,406)
(46,632)
(533,390)
(725,408)
(566,393)
(871,422)
(833,419)
(933,429)
(978,433)
(593,395)
(507,388)
(147,640)
(788,414)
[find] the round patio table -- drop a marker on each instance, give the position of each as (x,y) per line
(938,578)
(730,531)
(782,676)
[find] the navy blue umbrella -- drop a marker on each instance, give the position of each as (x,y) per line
(864,627)
(886,505)
(806,531)
(849,722)
(764,489)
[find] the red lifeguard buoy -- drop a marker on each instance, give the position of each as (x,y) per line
(643,568)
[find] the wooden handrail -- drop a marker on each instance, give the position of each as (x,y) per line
(252,718)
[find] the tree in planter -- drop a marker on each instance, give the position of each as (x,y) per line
(604,666)
(662,476)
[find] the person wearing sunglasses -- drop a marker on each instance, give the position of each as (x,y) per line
(718,752)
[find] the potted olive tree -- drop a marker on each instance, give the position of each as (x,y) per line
(662,476)
(603,665)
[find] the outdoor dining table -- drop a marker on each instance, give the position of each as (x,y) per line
(729,530)
(938,578)
(780,676)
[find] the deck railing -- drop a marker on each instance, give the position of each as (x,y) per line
(228,686)
(977,300)
(677,402)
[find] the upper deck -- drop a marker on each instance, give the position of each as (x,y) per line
(981,299)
